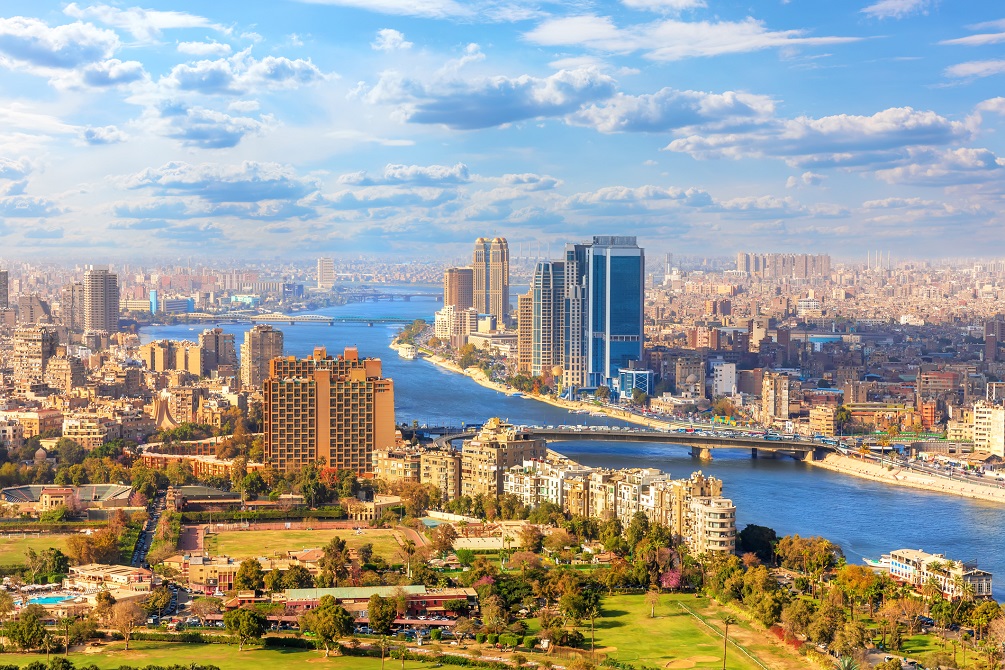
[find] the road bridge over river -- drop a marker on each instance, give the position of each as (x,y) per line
(702,446)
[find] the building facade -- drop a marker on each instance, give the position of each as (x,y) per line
(486,458)
(101,300)
(490,278)
(261,344)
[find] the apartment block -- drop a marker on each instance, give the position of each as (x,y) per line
(486,458)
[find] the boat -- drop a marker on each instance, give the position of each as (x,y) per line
(408,351)
(517,394)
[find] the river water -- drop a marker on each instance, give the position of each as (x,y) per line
(865,518)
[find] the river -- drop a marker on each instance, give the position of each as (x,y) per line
(865,518)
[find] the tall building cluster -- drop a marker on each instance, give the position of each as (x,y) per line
(584,314)
(780,266)
(476,297)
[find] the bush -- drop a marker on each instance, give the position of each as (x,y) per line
(435,634)
(492,638)
(529,641)
(509,639)
(479,638)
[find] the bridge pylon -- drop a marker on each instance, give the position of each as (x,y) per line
(703,453)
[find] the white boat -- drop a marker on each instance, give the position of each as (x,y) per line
(408,351)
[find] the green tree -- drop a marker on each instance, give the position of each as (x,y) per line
(381,612)
(244,624)
(329,621)
(250,576)
(158,600)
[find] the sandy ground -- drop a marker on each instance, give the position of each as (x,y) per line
(852,466)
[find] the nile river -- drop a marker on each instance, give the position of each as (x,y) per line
(865,518)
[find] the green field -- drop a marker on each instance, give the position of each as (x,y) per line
(675,639)
(243,544)
(225,657)
(12,547)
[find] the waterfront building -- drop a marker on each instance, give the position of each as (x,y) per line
(547,294)
(101,300)
(486,457)
(822,420)
(490,278)
(723,379)
(918,568)
(989,428)
(458,288)
(261,344)
(776,390)
(635,377)
(525,332)
(453,326)
(400,464)
(713,526)
(604,301)
(332,409)
(326,273)
(4,289)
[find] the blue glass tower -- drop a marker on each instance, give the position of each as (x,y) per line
(615,300)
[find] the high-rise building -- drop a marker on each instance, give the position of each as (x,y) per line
(4,289)
(218,349)
(71,306)
(261,344)
(490,278)
(326,273)
(776,390)
(332,409)
(779,266)
(524,331)
(101,300)
(32,309)
(548,294)
(33,347)
(486,458)
(604,300)
(458,288)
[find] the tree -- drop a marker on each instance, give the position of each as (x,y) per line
(158,600)
(727,621)
(245,624)
(203,607)
(250,576)
(531,537)
(381,613)
(760,540)
(652,601)
(125,618)
(298,577)
(444,537)
(329,621)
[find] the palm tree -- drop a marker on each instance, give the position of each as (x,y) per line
(727,621)
(409,550)
(847,663)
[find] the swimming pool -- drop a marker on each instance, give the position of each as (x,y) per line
(45,600)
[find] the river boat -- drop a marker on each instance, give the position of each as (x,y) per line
(408,351)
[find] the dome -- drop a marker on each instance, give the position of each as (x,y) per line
(691,379)
(41,454)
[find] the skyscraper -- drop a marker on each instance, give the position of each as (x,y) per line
(101,300)
(604,299)
(490,280)
(458,288)
(334,409)
(261,344)
(326,273)
(218,349)
(33,347)
(548,293)
(71,306)
(4,289)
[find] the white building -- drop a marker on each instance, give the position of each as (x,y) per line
(713,525)
(917,567)
(723,379)
(989,428)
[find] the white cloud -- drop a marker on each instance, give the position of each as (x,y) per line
(249,181)
(663,5)
(112,72)
(805,179)
(204,128)
(669,109)
(670,40)
(437,9)
(104,135)
(241,74)
(996,105)
(213,48)
(389,39)
(976,69)
(35,44)
(411,174)
(145,25)
(896,9)
(947,168)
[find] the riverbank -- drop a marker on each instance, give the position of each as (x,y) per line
(855,467)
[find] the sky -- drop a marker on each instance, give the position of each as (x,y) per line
(300,128)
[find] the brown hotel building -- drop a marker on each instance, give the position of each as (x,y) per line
(333,409)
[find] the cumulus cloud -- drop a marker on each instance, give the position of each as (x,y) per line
(213,48)
(33,43)
(145,25)
(205,128)
(241,74)
(411,174)
(840,140)
(26,206)
(805,179)
(103,135)
(389,39)
(531,182)
(642,197)
(113,72)
(14,169)
(669,109)
(436,9)
(373,197)
(250,181)
(947,168)
(976,69)
(896,9)
(491,101)
(663,5)
(670,40)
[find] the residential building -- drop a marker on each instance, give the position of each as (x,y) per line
(261,344)
(775,396)
(919,568)
(442,469)
(547,291)
(34,346)
(458,288)
(525,332)
(822,420)
(989,428)
(101,300)
(713,527)
(218,351)
(4,289)
(723,379)
(332,409)
(399,464)
(486,457)
(326,273)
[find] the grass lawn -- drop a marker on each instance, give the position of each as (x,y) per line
(225,657)
(241,544)
(13,546)
(675,639)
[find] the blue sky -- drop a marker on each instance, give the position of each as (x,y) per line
(299,128)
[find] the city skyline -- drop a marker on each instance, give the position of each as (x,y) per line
(704,127)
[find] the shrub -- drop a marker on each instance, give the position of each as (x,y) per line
(492,638)
(435,634)
(509,639)
(530,641)
(479,638)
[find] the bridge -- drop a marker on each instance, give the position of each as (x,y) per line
(702,446)
(366,295)
(291,319)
